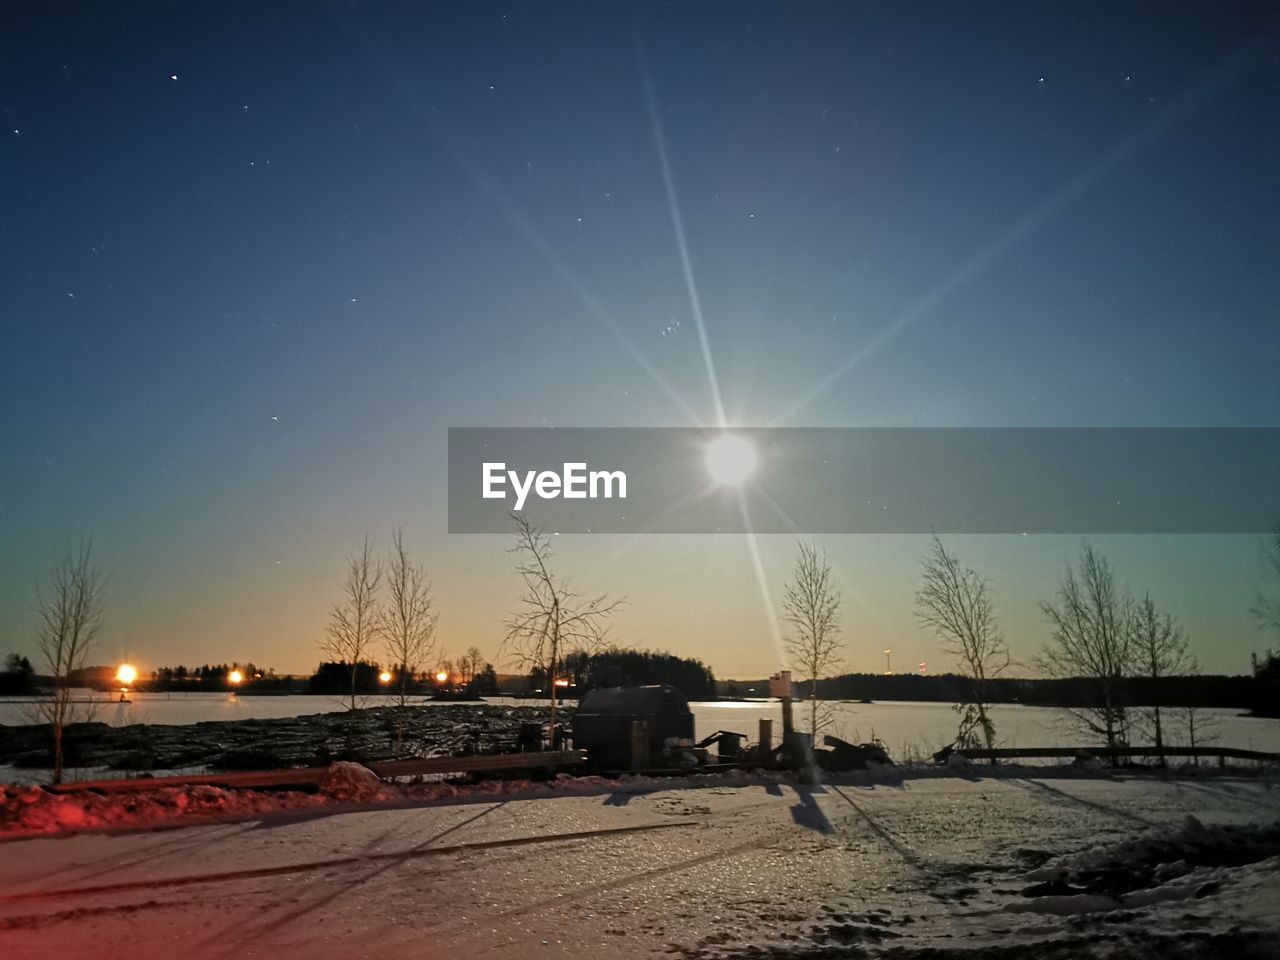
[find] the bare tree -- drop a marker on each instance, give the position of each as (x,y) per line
(354,623)
(470,665)
(1267,610)
(811,605)
(69,620)
(956,603)
(1092,640)
(553,619)
(1160,651)
(408,622)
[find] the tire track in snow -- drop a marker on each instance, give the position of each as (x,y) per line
(400,855)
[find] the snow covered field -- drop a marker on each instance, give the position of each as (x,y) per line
(917,863)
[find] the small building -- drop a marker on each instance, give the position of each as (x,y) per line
(602,725)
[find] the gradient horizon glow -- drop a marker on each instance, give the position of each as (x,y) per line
(257,259)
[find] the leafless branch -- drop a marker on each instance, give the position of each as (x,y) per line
(811,605)
(407,622)
(552,618)
(1092,639)
(69,619)
(956,603)
(354,623)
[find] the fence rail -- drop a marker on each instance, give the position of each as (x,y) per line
(1222,754)
(312,776)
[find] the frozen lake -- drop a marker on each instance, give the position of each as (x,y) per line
(904,726)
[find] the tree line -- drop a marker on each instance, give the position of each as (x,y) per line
(1114,660)
(616,667)
(219,676)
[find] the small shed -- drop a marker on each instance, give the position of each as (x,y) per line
(602,724)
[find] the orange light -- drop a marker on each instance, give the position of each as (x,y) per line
(562,683)
(235,676)
(442,677)
(384,677)
(126,673)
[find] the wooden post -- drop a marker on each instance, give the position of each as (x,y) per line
(639,745)
(766,735)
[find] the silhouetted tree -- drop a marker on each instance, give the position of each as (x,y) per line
(486,682)
(1267,610)
(1160,651)
(336,678)
(408,623)
(353,623)
(469,665)
(956,603)
(552,618)
(17,677)
(811,605)
(1266,684)
(69,619)
(616,666)
(1092,639)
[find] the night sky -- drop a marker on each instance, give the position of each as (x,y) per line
(256,259)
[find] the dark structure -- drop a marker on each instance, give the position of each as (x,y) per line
(603,724)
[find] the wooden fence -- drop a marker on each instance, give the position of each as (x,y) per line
(312,776)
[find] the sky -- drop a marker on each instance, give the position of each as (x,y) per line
(256,259)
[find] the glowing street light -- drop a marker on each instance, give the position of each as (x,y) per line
(384,676)
(562,682)
(126,673)
(442,677)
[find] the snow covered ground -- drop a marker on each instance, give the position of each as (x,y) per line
(935,863)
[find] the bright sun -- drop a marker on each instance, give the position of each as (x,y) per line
(730,459)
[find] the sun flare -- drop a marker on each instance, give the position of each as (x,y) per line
(731,460)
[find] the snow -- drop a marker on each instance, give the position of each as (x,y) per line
(351,781)
(910,862)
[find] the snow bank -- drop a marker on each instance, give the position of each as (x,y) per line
(31,810)
(1191,862)
(352,782)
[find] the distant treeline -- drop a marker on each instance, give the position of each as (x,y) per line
(215,677)
(335,678)
(616,667)
(18,677)
(1259,692)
